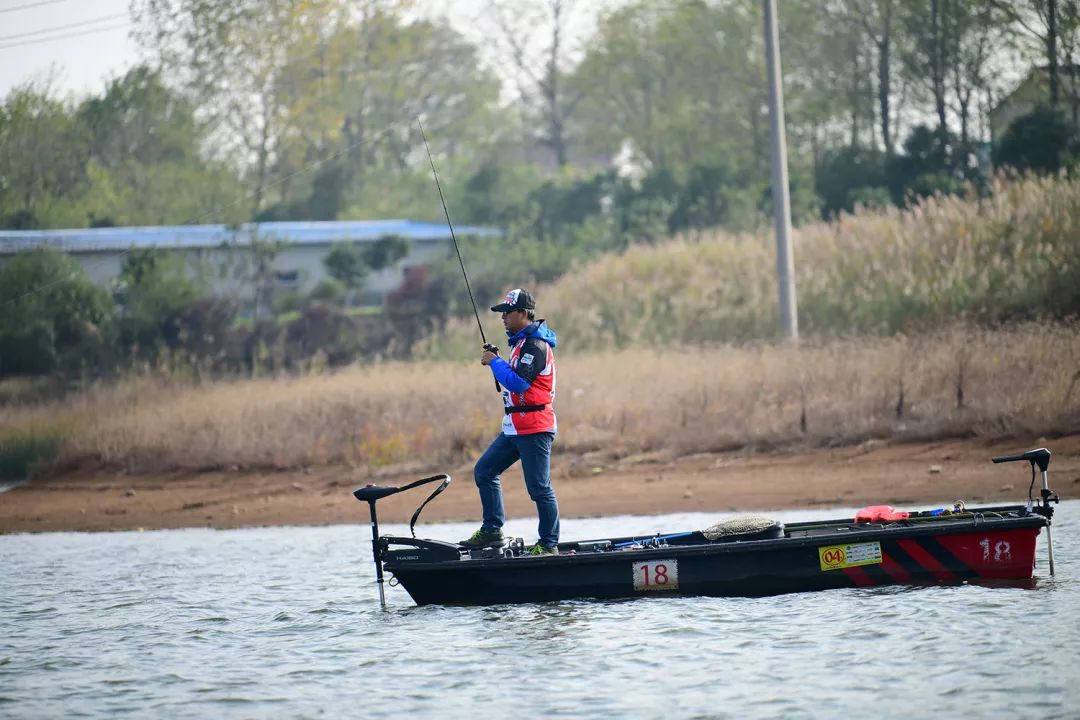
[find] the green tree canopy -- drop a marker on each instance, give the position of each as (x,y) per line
(153,288)
(49,312)
(42,155)
(346,263)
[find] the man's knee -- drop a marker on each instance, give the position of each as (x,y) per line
(479,476)
(540,493)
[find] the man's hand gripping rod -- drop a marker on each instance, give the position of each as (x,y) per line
(483,338)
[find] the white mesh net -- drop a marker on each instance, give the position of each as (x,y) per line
(743,525)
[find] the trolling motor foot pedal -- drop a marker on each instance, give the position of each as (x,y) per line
(510,547)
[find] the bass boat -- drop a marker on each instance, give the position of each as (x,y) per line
(744,556)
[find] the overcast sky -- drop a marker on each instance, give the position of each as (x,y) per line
(81,63)
(98,45)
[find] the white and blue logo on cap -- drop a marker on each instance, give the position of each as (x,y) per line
(516,299)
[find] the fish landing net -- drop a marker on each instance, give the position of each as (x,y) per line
(744,525)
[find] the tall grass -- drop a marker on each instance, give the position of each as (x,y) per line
(26,448)
(920,288)
(1010,256)
(675,400)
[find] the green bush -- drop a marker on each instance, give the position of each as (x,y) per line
(25,450)
(154,289)
(51,316)
(844,174)
(1043,141)
(330,290)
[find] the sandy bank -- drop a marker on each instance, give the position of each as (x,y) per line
(902,474)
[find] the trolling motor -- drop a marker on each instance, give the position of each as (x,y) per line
(373,493)
(1040,457)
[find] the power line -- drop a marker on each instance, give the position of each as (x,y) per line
(44,31)
(121,26)
(30,5)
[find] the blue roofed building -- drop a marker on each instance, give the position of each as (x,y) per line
(221,250)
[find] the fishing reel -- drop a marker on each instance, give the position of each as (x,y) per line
(491,348)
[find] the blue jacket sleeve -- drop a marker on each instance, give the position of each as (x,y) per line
(507,377)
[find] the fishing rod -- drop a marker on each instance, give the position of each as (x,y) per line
(483,338)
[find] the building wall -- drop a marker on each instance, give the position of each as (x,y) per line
(297,268)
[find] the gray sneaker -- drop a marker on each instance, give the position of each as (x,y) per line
(483,538)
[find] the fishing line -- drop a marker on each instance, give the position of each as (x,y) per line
(483,338)
(454,237)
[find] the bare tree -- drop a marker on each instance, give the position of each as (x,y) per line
(975,29)
(541,73)
(229,56)
(877,18)
(1038,19)
(1068,27)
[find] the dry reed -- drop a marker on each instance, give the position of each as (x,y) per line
(954,381)
(1011,256)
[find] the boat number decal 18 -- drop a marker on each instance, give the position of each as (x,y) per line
(1002,550)
(656,575)
(836,557)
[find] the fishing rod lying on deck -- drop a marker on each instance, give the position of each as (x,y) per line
(483,338)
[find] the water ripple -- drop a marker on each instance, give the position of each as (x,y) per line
(285,622)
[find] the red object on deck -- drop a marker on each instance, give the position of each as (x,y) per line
(879,513)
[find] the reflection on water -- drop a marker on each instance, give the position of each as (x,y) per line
(285,622)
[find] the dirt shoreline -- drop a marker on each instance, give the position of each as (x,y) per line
(903,474)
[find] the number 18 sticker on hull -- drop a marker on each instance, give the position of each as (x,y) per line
(656,575)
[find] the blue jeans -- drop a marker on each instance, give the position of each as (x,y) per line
(534,451)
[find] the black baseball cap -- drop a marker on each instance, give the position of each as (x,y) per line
(516,299)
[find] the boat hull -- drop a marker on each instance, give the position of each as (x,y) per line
(808,557)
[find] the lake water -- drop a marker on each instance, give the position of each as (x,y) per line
(285,622)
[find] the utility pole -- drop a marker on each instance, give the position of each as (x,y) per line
(785,265)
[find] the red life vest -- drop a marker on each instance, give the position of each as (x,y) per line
(540,393)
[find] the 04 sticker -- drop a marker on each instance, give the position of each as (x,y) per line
(836,557)
(650,575)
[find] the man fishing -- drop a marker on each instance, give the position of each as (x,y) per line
(528,381)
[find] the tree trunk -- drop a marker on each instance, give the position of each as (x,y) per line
(964,100)
(855,95)
(556,135)
(885,86)
(758,148)
(937,66)
(1051,51)
(263,156)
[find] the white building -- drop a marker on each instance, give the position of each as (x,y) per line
(224,250)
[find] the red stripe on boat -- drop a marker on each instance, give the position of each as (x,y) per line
(859,577)
(894,569)
(925,559)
